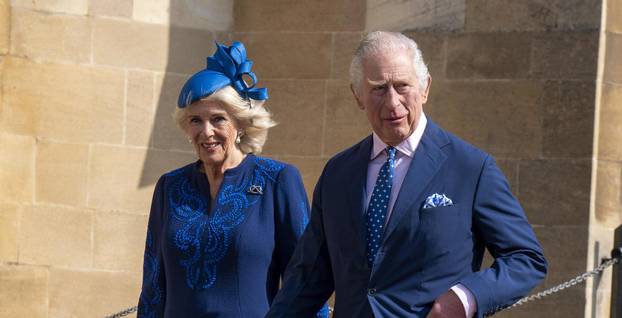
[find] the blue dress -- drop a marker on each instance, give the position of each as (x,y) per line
(226,262)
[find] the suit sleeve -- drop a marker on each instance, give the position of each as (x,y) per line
(152,295)
(307,282)
(500,223)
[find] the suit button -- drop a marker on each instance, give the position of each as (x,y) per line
(371,291)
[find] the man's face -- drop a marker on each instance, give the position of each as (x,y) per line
(391,96)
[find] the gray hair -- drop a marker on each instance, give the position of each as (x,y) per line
(382,41)
(253,121)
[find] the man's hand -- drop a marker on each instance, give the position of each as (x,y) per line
(447,305)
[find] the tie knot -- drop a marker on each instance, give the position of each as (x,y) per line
(391,152)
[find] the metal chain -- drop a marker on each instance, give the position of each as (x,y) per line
(123,313)
(577,280)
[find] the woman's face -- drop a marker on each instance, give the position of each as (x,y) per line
(212,131)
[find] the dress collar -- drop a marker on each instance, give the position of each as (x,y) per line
(248,160)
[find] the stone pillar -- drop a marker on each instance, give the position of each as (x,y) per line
(606,208)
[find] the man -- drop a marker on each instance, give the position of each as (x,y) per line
(400,220)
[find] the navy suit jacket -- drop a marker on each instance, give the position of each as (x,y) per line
(424,252)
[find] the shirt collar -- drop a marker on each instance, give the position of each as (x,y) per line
(407,146)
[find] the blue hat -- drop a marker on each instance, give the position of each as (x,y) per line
(226,67)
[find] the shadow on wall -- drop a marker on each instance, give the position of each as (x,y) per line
(193,26)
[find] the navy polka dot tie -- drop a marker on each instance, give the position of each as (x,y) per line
(377,210)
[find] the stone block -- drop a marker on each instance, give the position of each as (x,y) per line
(151,11)
(488,55)
(119,241)
(568,120)
(9,226)
(288,55)
(298,108)
(610,131)
(140,108)
(111,8)
(188,49)
(579,14)
(614,16)
(61,173)
(130,44)
(310,169)
(565,55)
(208,15)
(299,16)
(37,103)
(346,124)
(504,121)
(433,47)
(155,164)
(23,291)
(532,15)
(613,67)
(56,236)
(17,162)
(165,133)
(5,26)
(556,192)
(565,249)
(608,200)
(124,190)
(74,293)
(2,59)
(77,7)
(399,15)
(344,46)
(508,15)
(44,36)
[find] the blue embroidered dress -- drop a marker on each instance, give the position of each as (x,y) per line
(226,262)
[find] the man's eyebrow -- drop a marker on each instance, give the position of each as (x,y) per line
(377,83)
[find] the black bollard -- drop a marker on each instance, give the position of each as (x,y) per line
(616,276)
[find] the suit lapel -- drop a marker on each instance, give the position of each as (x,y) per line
(357,175)
(426,162)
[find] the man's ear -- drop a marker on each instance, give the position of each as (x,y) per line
(426,91)
(356,97)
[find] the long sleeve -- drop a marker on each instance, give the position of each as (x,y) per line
(501,225)
(152,296)
(308,281)
(292,213)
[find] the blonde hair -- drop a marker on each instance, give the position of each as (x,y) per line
(252,117)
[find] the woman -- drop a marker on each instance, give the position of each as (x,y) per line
(221,230)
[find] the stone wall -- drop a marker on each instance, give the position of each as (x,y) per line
(82,84)
(89,86)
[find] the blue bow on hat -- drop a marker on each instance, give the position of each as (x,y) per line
(226,67)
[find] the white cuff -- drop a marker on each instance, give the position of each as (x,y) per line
(467,299)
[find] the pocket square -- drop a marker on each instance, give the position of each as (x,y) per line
(437,200)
